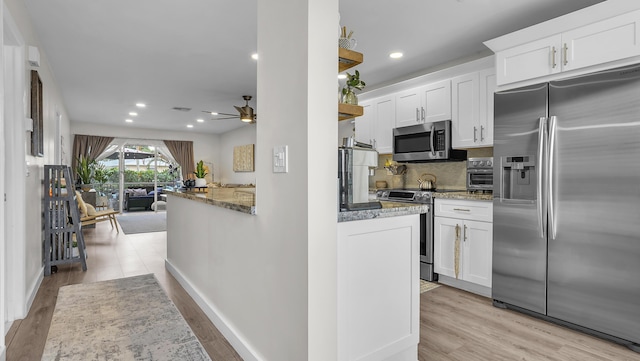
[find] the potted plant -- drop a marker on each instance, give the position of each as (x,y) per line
(85,171)
(200,173)
(353,82)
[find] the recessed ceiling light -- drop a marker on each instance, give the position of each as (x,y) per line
(129,120)
(141,105)
(214,113)
(189,125)
(396,55)
(200,120)
(133,114)
(254,56)
(342,76)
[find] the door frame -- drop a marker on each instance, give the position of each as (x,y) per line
(14,116)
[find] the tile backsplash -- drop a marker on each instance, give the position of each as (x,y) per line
(449,175)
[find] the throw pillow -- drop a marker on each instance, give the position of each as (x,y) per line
(82,206)
(139,192)
(91,211)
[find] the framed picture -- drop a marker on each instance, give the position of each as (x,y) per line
(243,158)
(37,141)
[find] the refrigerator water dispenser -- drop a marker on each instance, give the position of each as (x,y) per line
(518,177)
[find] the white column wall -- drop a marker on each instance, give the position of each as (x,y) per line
(322,165)
(2,191)
(269,280)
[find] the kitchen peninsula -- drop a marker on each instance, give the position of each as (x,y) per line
(377,266)
(241,199)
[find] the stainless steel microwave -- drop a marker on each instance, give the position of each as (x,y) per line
(427,142)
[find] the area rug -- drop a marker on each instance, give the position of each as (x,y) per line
(427,286)
(147,222)
(124,319)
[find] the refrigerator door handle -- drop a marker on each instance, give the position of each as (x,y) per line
(551,155)
(541,197)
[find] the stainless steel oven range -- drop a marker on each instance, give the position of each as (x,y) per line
(426,224)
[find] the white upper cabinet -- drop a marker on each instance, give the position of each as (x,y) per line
(464,115)
(472,109)
(409,108)
(601,42)
(487,79)
(385,121)
(365,124)
(436,98)
(528,61)
(375,126)
(425,104)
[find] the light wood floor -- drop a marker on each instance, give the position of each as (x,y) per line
(112,255)
(455,325)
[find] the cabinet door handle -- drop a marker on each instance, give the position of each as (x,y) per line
(553,57)
(422,113)
(465,233)
(456,252)
(475,134)
(462,209)
(482,133)
(564,53)
(417,115)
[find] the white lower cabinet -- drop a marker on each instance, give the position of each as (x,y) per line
(379,289)
(463,240)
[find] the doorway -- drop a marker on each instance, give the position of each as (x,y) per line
(136,173)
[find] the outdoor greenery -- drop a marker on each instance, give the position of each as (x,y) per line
(85,169)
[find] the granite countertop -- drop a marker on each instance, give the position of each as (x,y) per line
(471,196)
(389,209)
(241,199)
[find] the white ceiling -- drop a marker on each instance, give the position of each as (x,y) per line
(106,55)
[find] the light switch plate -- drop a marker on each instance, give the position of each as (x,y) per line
(281,159)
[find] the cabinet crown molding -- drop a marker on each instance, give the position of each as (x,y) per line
(601,11)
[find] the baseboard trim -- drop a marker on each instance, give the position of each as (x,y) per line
(33,291)
(3,353)
(235,338)
(466,286)
(7,327)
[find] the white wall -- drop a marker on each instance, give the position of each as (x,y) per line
(2,191)
(205,146)
(271,278)
(240,136)
(26,251)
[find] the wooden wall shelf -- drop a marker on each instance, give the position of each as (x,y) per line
(348,111)
(348,59)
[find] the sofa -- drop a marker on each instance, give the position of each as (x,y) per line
(139,198)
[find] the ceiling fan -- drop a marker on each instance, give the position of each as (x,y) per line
(246,112)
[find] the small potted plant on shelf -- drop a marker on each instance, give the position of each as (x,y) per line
(200,173)
(353,82)
(85,172)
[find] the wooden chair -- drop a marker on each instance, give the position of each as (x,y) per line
(98,216)
(104,215)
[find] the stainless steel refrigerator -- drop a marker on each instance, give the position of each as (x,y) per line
(567,202)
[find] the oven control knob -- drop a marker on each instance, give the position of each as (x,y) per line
(489,163)
(475,163)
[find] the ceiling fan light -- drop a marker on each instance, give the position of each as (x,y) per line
(246,115)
